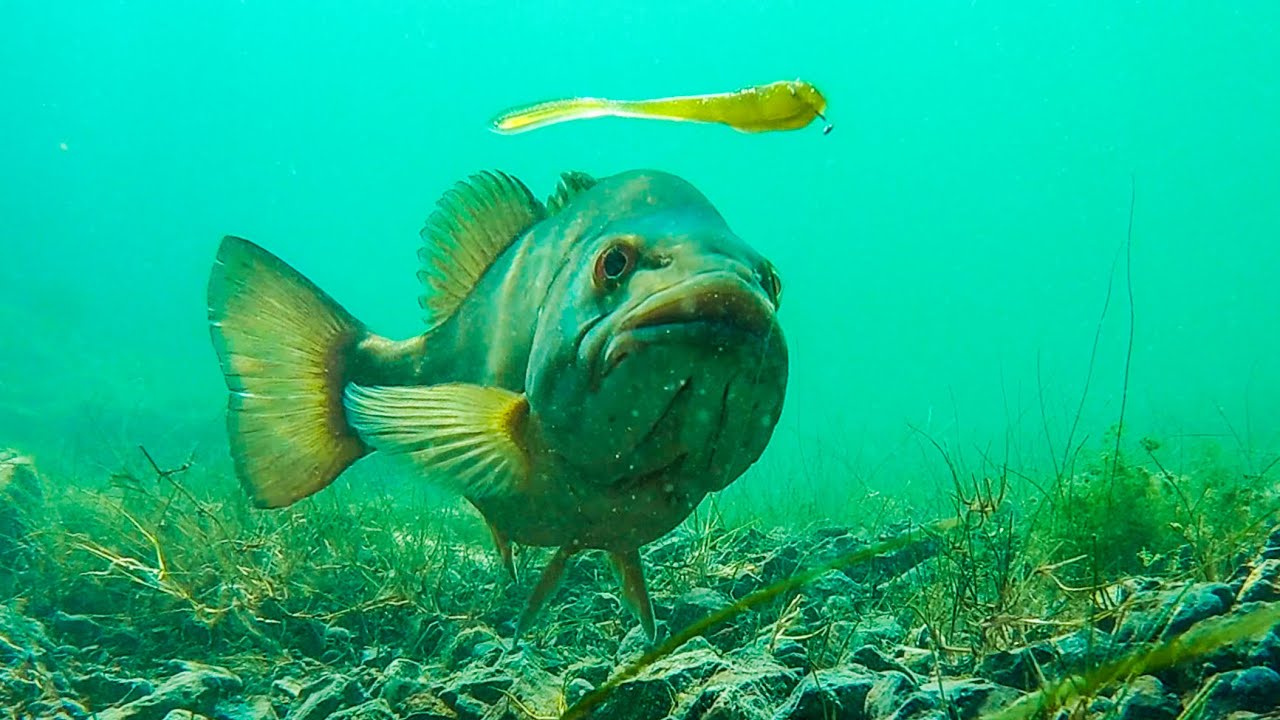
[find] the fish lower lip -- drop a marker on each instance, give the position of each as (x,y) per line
(704,331)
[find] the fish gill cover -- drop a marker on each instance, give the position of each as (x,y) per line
(1026,463)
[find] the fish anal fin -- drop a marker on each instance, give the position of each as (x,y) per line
(473,223)
(572,184)
(634,589)
(470,437)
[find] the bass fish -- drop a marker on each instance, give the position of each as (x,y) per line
(784,105)
(592,367)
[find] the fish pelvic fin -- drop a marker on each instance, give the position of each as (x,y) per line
(547,584)
(537,115)
(472,224)
(634,590)
(502,542)
(283,345)
(470,438)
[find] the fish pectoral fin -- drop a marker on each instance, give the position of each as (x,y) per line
(473,223)
(634,589)
(547,584)
(469,436)
(572,184)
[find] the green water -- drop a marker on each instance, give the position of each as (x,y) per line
(946,250)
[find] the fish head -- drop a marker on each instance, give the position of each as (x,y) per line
(658,353)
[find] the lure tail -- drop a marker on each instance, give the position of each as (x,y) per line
(531,117)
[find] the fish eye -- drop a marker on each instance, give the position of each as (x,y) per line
(614,263)
(773,285)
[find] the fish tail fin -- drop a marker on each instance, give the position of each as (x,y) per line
(531,117)
(284,346)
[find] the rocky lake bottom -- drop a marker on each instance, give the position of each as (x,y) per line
(819,657)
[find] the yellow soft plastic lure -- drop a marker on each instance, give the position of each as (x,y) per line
(783,105)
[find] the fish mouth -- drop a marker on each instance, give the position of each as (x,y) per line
(716,307)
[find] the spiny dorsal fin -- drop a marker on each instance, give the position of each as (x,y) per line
(470,436)
(472,224)
(572,184)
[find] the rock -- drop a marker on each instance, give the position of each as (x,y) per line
(428,634)
(695,605)
(1175,611)
(77,629)
(83,631)
(324,696)
(891,565)
(872,659)
(306,635)
(1271,549)
(832,532)
(1266,652)
(287,687)
(1021,669)
(650,695)
(791,654)
(594,672)
(376,656)
(487,687)
(339,645)
(29,670)
(101,690)
(673,548)
(401,679)
(832,583)
(882,630)
(962,699)
(746,691)
(465,707)
(197,690)
(518,678)
(1262,584)
(838,693)
(919,662)
(577,689)
(743,582)
(1255,689)
(635,643)
(781,563)
(474,643)
(376,709)
(1145,698)
(21,499)
(894,695)
(258,707)
(425,706)
(1073,653)
(62,709)
(22,640)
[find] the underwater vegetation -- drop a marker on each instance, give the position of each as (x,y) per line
(160,592)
